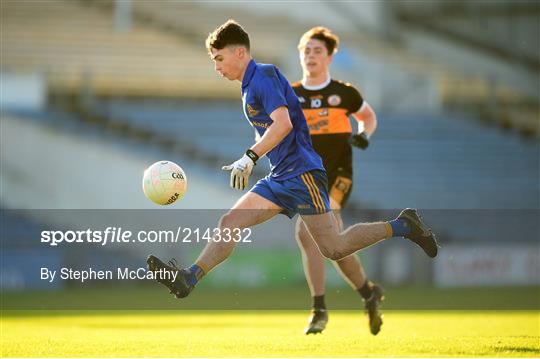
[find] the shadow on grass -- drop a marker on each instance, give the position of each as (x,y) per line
(518,349)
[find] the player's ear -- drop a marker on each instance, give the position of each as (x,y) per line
(241,51)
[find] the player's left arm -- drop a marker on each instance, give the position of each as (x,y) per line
(367,124)
(367,119)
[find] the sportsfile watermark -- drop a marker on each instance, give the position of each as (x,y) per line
(112,235)
(99,259)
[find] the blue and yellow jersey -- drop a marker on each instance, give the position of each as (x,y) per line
(264,89)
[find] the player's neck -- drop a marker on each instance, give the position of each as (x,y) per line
(244,69)
(317,81)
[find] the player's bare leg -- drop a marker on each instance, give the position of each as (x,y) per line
(251,209)
(352,271)
(349,267)
(314,269)
(337,245)
(312,259)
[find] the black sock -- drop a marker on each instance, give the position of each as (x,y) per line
(318,302)
(366,290)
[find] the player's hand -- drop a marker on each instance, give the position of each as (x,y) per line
(360,140)
(240,172)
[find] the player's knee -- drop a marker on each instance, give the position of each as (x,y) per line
(335,255)
(342,262)
(228,221)
(332,253)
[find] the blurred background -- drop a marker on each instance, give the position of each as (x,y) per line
(93,92)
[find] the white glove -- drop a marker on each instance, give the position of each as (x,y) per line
(240,171)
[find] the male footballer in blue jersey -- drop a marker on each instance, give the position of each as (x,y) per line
(297,182)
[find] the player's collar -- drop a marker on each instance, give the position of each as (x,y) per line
(317,87)
(250,70)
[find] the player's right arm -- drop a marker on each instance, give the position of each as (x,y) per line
(242,168)
(272,99)
(279,129)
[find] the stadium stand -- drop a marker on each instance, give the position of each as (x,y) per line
(446,162)
(427,161)
(192,21)
(77,46)
(456,163)
(495,43)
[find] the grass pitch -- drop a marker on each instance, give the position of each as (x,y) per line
(267,334)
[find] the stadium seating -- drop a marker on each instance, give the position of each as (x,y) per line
(449,162)
(193,21)
(495,47)
(77,46)
(446,162)
(427,161)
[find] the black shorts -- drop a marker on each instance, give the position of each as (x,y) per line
(336,154)
(340,186)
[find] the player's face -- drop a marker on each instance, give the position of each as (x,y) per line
(227,62)
(314,58)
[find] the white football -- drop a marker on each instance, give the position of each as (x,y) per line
(164,182)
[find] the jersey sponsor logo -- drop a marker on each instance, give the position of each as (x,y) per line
(334,100)
(324,112)
(260,124)
(318,125)
(251,111)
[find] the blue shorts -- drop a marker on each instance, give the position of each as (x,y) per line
(304,194)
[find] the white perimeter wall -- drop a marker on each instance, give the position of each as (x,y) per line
(45,168)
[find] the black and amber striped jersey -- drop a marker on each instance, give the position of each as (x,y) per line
(327,109)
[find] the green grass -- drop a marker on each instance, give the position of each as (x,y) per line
(267,334)
(228,322)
